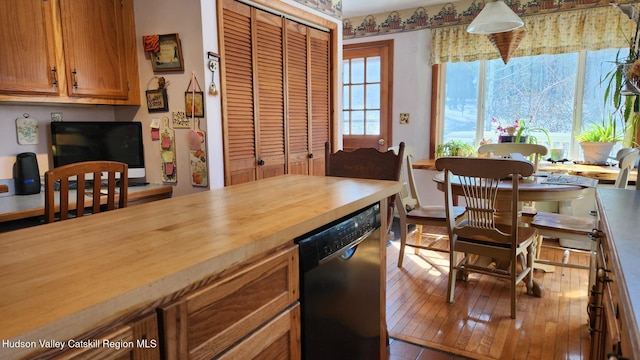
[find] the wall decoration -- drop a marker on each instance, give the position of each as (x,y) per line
(213,66)
(179,120)
(194,100)
(198,155)
(169,57)
(457,13)
(157,99)
(168,152)
(27,130)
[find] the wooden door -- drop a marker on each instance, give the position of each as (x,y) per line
(269,93)
(28,53)
(276,94)
(297,69)
(94,47)
(308,102)
(237,82)
(367,82)
(320,88)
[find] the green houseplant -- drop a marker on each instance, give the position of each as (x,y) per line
(598,139)
(621,83)
(454,148)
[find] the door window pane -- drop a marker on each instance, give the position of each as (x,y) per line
(346,73)
(346,128)
(357,123)
(373,122)
(357,71)
(357,97)
(373,69)
(373,96)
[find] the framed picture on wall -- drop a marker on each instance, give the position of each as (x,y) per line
(169,58)
(157,100)
(194,102)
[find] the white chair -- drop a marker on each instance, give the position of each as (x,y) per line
(577,228)
(626,160)
(411,210)
(506,149)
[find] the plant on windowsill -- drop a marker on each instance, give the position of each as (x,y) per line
(519,132)
(623,83)
(598,139)
(454,148)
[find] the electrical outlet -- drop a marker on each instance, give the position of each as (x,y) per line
(56,116)
(404,118)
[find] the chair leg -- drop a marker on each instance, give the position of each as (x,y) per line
(403,240)
(416,250)
(453,260)
(512,289)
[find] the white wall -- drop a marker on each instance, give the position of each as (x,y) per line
(412,94)
(9,146)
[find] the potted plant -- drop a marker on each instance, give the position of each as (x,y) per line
(623,81)
(454,148)
(598,139)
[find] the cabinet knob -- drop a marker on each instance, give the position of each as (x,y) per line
(260,162)
(311,156)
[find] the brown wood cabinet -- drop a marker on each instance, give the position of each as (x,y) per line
(276,94)
(260,300)
(137,340)
(68,51)
(611,323)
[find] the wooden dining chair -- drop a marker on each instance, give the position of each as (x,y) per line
(366,163)
(505,149)
(481,233)
(411,211)
(626,161)
(581,229)
(59,181)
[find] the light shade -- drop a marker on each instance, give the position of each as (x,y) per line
(495,17)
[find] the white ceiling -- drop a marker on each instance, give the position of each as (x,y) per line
(353,8)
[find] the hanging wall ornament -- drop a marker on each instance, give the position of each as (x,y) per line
(198,155)
(168,152)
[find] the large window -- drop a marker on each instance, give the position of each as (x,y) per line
(557,93)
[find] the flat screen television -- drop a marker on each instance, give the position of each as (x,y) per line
(76,141)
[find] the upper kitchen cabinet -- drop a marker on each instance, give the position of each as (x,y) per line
(68,51)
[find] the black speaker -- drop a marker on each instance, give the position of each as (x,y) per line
(26,174)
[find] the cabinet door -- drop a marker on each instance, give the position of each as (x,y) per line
(137,341)
(279,339)
(93,35)
(208,321)
(27,54)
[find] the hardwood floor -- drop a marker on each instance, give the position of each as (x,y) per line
(477,325)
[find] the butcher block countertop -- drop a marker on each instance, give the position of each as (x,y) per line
(62,279)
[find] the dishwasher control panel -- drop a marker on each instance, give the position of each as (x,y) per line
(344,233)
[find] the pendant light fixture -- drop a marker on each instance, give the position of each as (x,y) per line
(495,17)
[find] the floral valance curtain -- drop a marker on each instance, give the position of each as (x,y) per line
(556,33)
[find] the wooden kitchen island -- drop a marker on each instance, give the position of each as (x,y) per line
(113,275)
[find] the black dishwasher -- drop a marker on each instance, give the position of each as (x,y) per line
(340,288)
